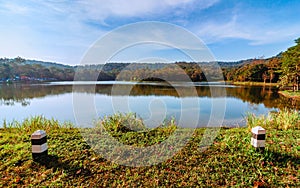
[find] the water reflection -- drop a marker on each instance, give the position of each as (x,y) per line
(268,96)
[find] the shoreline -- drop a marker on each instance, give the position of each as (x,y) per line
(287,94)
(254,84)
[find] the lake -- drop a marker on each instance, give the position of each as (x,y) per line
(152,101)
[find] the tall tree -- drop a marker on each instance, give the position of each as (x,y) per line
(291,66)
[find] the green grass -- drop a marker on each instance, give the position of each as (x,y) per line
(290,94)
(255,84)
(230,161)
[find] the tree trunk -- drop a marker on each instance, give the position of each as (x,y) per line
(297,83)
(294,87)
(271,77)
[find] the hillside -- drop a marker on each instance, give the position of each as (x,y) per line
(34,62)
(19,69)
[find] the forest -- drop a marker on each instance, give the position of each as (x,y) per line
(282,68)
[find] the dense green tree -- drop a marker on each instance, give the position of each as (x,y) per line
(274,68)
(5,71)
(291,66)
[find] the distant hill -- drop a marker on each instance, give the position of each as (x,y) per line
(19,69)
(46,64)
(22,61)
(22,69)
(231,64)
(109,66)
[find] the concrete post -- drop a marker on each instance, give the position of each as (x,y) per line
(39,144)
(258,137)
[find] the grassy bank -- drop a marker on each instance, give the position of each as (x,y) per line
(230,161)
(290,94)
(255,84)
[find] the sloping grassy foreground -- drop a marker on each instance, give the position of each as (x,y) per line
(230,161)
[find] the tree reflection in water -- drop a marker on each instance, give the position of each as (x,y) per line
(23,93)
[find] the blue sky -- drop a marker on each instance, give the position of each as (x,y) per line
(63,30)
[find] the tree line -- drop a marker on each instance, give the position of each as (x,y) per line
(19,69)
(283,68)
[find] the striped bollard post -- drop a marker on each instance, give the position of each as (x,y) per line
(39,145)
(258,138)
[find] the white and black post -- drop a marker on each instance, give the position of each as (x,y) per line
(39,144)
(258,138)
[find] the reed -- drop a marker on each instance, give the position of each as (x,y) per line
(34,123)
(283,120)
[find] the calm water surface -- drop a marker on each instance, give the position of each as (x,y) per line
(154,102)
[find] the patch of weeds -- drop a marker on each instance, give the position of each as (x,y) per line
(130,130)
(283,120)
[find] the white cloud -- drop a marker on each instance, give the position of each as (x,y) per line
(255,32)
(44,30)
(149,39)
(103,9)
(68,27)
(64,29)
(275,34)
(14,8)
(213,32)
(100,9)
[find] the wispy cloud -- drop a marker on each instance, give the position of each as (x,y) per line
(10,7)
(102,9)
(275,34)
(149,39)
(64,29)
(257,32)
(67,28)
(213,31)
